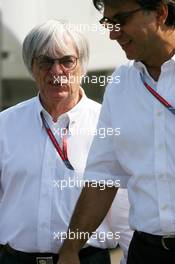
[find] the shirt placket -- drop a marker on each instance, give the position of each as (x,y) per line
(164,201)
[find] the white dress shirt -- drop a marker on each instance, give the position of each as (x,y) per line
(33,207)
(142,157)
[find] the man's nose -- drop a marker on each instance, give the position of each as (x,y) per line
(114,33)
(56,68)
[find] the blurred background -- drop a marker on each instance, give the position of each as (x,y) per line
(18,17)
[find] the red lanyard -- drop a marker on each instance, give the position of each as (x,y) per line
(62,153)
(159,98)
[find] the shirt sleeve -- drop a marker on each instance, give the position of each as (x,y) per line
(102,163)
(118,216)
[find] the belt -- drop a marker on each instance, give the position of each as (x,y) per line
(167,242)
(46,258)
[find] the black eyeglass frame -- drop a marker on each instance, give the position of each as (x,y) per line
(50,61)
(117,19)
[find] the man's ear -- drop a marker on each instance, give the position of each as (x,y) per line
(162,14)
(32,64)
(34,69)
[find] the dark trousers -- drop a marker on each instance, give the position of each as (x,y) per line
(142,252)
(99,257)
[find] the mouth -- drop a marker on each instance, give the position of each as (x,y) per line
(55,83)
(58,81)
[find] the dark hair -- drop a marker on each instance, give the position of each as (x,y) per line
(147,5)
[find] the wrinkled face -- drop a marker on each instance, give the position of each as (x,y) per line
(58,80)
(138,35)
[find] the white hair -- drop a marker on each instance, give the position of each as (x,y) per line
(49,39)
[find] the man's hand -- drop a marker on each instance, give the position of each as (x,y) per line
(69,258)
(87,208)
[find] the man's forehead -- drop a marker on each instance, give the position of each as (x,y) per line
(58,50)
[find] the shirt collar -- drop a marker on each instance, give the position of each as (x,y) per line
(71,114)
(166,66)
(76,110)
(39,109)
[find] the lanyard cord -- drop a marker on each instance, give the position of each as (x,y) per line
(159,97)
(62,153)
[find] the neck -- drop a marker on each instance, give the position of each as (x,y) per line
(162,53)
(59,108)
(154,71)
(154,67)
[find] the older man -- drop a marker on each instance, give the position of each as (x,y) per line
(143,156)
(44,143)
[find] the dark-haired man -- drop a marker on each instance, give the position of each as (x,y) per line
(143,156)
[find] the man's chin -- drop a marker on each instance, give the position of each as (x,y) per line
(132,57)
(58,92)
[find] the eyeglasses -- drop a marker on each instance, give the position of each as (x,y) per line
(119,19)
(67,63)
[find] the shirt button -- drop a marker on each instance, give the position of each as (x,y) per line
(159,113)
(162,177)
(44,225)
(160,146)
(50,164)
(164,207)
